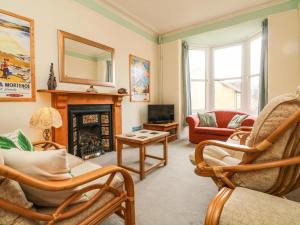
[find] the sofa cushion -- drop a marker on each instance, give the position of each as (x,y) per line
(11,191)
(207,120)
(224,116)
(74,160)
(16,139)
(86,167)
(214,131)
(236,121)
(44,165)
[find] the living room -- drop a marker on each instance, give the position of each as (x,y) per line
(164,69)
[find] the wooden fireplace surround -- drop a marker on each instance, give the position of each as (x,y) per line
(60,100)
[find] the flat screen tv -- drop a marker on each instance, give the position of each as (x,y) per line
(160,113)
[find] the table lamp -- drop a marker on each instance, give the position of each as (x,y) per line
(45,118)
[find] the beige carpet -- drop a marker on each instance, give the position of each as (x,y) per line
(171,195)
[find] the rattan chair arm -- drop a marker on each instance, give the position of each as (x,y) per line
(241,135)
(250,167)
(240,132)
(244,128)
(66,184)
(214,210)
(241,148)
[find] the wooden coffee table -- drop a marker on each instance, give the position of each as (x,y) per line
(141,139)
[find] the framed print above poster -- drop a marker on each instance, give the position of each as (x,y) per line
(139,73)
(17,75)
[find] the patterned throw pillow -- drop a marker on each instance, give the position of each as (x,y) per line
(16,139)
(236,121)
(207,120)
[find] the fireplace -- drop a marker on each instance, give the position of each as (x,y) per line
(90,130)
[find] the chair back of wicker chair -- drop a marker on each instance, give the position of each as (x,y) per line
(285,144)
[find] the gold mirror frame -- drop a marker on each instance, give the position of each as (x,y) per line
(62,35)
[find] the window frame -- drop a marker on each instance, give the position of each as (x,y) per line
(249,75)
(245,95)
(205,50)
(213,79)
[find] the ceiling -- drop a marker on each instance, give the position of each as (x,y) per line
(236,33)
(163,16)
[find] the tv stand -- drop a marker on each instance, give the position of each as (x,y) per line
(169,127)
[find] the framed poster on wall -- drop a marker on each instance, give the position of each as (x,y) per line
(17,77)
(139,73)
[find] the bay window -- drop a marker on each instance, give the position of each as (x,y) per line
(226,77)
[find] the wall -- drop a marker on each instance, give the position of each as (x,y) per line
(72,17)
(171,86)
(284,55)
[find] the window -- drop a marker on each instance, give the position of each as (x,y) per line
(226,77)
(227,63)
(255,57)
(197,76)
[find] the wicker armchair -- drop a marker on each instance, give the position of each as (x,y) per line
(248,207)
(270,159)
(94,211)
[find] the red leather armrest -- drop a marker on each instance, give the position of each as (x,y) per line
(193,121)
(249,121)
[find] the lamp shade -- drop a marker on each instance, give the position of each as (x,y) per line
(45,118)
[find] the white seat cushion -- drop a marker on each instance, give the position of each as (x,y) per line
(74,160)
(86,167)
(217,156)
(246,207)
(49,165)
(77,171)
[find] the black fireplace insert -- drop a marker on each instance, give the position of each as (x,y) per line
(90,131)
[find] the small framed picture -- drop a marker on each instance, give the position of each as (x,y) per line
(139,74)
(17,74)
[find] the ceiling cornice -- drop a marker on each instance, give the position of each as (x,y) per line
(137,26)
(113,6)
(117,18)
(230,20)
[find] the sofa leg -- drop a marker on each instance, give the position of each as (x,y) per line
(129,212)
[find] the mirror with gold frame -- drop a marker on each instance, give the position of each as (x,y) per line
(83,61)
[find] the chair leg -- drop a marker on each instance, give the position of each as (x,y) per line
(129,212)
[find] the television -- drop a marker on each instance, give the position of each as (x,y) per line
(160,113)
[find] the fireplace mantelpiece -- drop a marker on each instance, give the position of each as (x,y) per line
(60,100)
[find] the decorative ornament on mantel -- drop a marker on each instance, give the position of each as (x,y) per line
(52,84)
(122,91)
(91,89)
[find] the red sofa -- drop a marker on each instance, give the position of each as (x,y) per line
(221,133)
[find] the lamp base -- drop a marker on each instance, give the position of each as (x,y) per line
(47,134)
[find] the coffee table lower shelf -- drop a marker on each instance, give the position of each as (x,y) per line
(143,155)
